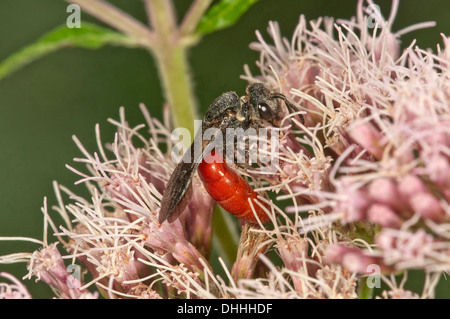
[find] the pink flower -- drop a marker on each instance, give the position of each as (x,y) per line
(48,266)
(16,290)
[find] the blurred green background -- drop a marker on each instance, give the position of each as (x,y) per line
(68,92)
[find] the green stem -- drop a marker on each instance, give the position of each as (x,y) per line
(171,58)
(117,19)
(364,290)
(226,237)
(174,73)
(193,16)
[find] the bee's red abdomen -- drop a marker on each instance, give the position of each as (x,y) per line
(229,189)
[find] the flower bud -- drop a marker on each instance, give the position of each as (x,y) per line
(410,185)
(353,259)
(384,191)
(428,207)
(49,267)
(384,216)
(366,135)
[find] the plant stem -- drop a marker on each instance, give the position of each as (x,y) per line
(225,235)
(174,73)
(193,16)
(161,18)
(171,59)
(117,19)
(364,290)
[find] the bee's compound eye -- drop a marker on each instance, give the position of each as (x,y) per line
(264,111)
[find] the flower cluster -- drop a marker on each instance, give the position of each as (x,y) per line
(362,185)
(381,117)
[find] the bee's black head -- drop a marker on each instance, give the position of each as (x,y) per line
(265,105)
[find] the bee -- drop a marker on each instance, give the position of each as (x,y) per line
(259,108)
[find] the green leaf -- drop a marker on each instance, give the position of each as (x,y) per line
(89,36)
(222,15)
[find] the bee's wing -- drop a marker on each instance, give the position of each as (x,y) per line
(178,190)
